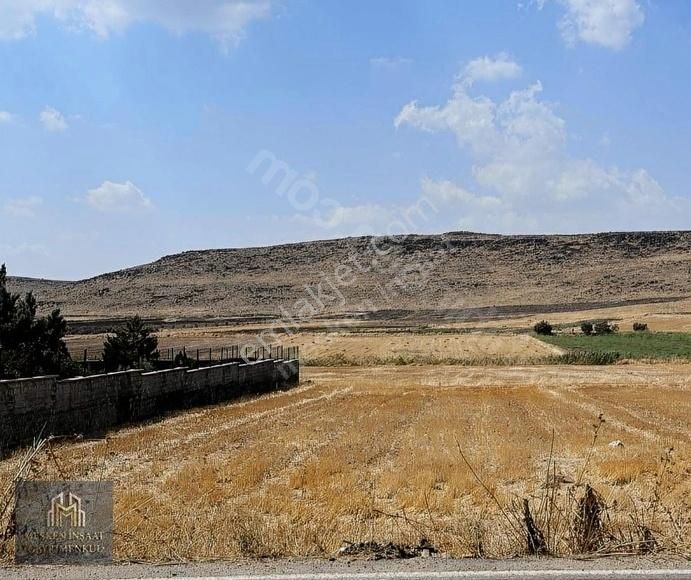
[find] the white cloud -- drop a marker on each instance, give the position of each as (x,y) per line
(117,197)
(17,18)
(223,20)
(103,18)
(471,119)
(6,117)
(448,193)
(439,199)
(23,207)
(608,23)
(489,69)
(351,216)
(389,63)
(53,120)
(518,152)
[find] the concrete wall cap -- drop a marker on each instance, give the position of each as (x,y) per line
(25,379)
(178,369)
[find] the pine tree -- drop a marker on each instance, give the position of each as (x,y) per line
(131,346)
(30,345)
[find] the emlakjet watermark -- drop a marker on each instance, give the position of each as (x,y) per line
(64,522)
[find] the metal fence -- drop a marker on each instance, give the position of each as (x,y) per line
(207,355)
(231,353)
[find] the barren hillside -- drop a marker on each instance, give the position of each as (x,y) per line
(458,275)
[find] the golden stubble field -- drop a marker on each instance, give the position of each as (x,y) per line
(348,348)
(357,454)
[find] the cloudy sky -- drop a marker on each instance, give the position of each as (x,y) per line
(130,129)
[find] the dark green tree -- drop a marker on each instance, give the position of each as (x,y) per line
(543,327)
(30,345)
(130,347)
(605,327)
(587,328)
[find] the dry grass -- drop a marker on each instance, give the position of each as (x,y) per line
(344,348)
(377,454)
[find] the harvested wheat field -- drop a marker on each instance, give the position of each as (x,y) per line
(440,452)
(347,348)
(362,349)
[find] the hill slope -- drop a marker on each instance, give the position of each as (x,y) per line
(457,272)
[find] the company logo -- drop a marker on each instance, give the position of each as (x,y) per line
(66,506)
(63,522)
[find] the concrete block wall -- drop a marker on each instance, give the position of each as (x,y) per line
(87,404)
(287,372)
(161,391)
(257,376)
(25,408)
(92,405)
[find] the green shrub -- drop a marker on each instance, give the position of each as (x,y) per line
(587,328)
(543,327)
(605,327)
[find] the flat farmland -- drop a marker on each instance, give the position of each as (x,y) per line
(355,342)
(362,349)
(348,348)
(400,453)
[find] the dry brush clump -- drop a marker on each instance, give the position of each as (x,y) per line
(566,517)
(26,467)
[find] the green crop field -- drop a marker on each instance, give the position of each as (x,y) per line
(634,345)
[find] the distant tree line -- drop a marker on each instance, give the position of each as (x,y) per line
(600,328)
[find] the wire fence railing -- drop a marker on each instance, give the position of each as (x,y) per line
(214,354)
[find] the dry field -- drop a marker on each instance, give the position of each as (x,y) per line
(356,454)
(356,342)
(660,316)
(344,348)
(362,349)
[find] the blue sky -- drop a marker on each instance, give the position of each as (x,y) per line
(130,129)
